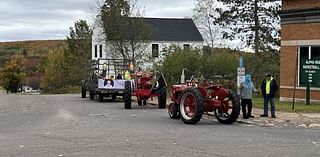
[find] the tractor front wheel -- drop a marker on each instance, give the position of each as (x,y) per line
(127,95)
(230,109)
(162,99)
(191,106)
(173,110)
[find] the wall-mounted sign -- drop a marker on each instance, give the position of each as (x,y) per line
(309,66)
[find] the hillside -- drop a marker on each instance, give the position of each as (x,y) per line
(36,48)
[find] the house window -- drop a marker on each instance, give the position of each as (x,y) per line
(186,47)
(95,51)
(100,50)
(155,50)
(309,59)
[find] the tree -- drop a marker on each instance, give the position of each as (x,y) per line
(259,65)
(124,29)
(13,73)
(55,73)
(79,44)
(176,59)
(221,64)
(79,40)
(203,13)
(253,21)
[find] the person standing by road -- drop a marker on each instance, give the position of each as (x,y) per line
(246,92)
(269,88)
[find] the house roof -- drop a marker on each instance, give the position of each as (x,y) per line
(169,29)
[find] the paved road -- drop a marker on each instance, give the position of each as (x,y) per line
(66,125)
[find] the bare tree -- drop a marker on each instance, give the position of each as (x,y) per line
(204,12)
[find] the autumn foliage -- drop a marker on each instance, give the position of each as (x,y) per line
(13,73)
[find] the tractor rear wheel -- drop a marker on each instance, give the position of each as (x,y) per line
(162,99)
(173,110)
(230,110)
(127,95)
(191,106)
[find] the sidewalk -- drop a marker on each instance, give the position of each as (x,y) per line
(299,120)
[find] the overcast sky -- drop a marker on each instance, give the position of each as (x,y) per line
(51,19)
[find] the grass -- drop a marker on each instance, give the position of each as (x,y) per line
(287,106)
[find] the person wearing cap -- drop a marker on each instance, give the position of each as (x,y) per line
(246,92)
(269,88)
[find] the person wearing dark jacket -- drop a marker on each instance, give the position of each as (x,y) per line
(269,88)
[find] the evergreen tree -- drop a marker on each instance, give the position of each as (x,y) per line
(253,21)
(79,40)
(79,52)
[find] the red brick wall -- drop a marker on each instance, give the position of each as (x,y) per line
(308,31)
(287,65)
(299,4)
(301,94)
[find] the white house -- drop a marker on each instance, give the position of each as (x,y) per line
(164,32)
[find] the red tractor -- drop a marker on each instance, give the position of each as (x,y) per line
(193,99)
(145,85)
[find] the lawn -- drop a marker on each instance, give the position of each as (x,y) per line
(287,106)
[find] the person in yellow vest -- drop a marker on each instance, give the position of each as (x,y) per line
(127,75)
(269,88)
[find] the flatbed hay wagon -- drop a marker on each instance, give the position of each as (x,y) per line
(105,78)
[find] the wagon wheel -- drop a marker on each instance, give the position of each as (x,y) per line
(101,97)
(162,99)
(229,111)
(191,106)
(127,95)
(83,90)
(113,96)
(83,93)
(173,111)
(91,95)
